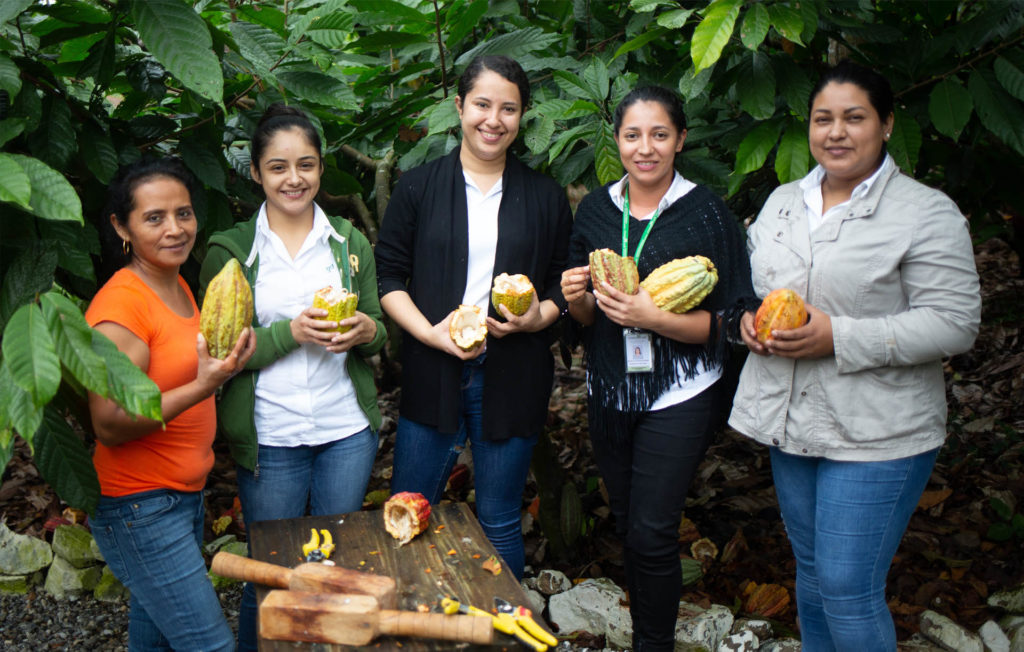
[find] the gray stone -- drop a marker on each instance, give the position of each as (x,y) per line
(22,555)
(550,582)
(534,600)
(109,588)
(75,545)
(947,634)
(1011,600)
(745,641)
(594,606)
(1017,641)
(761,628)
(95,548)
(993,637)
(65,581)
(14,583)
(702,628)
(781,645)
(918,643)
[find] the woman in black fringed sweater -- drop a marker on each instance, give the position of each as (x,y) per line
(652,376)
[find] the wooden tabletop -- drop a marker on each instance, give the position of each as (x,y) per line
(447,560)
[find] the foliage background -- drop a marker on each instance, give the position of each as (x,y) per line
(88,85)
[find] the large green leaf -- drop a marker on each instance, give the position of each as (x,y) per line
(539,133)
(6,446)
(387,40)
(512,44)
(596,77)
(204,163)
(178,38)
(905,142)
(17,410)
(98,152)
(795,86)
(29,354)
(675,18)
(55,141)
(713,32)
(607,163)
(10,129)
(441,117)
(259,45)
(10,76)
(639,41)
(573,85)
(388,12)
(569,138)
(333,30)
(64,462)
(31,273)
(755,146)
(998,111)
(787,21)
(75,244)
(462,19)
(580,108)
(52,196)
(950,107)
(755,26)
(11,8)
(757,91)
(320,88)
(129,387)
(1011,76)
(15,186)
(692,83)
(793,156)
(72,338)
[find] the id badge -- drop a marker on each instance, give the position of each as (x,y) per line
(639,352)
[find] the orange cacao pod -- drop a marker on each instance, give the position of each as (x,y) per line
(406,514)
(781,310)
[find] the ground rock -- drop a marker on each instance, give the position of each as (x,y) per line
(534,600)
(64,580)
(1011,600)
(918,643)
(595,606)
(993,637)
(550,582)
(21,554)
(745,641)
(761,628)
(780,645)
(1017,641)
(702,627)
(947,634)
(75,545)
(14,583)
(109,588)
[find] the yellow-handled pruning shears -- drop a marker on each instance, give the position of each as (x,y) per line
(503,622)
(319,547)
(524,618)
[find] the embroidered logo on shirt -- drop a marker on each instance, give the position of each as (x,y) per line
(353,261)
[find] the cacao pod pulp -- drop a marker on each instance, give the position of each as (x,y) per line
(613,269)
(227,309)
(781,310)
(406,514)
(514,291)
(681,284)
(339,304)
(468,327)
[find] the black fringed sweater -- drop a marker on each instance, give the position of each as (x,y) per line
(697,223)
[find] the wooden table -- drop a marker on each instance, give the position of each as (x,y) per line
(446,560)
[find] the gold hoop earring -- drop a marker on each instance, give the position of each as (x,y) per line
(126,247)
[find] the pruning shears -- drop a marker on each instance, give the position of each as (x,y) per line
(501,621)
(319,547)
(524,618)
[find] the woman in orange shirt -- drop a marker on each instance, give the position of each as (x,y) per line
(149,521)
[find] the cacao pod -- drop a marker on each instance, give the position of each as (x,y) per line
(468,327)
(613,269)
(515,292)
(406,514)
(765,600)
(227,309)
(781,310)
(339,304)
(681,284)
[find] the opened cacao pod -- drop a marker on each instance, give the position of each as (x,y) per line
(339,304)
(406,514)
(514,291)
(613,269)
(468,327)
(781,310)
(227,309)
(681,284)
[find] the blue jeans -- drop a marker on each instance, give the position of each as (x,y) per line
(330,478)
(845,521)
(151,541)
(424,459)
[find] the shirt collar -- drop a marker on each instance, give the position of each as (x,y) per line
(812,181)
(321,228)
(680,186)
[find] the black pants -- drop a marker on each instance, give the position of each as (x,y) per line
(647,470)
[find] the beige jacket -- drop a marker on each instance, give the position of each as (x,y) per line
(896,275)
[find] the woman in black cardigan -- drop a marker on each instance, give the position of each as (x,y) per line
(653,385)
(453,225)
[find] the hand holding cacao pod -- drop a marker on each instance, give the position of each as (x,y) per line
(782,309)
(338,302)
(468,327)
(615,270)
(514,291)
(681,284)
(227,309)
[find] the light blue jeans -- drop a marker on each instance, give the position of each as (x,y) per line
(845,521)
(424,459)
(330,479)
(151,541)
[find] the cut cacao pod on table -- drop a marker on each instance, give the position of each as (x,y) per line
(468,327)
(227,309)
(615,270)
(681,284)
(514,291)
(781,310)
(339,304)
(406,514)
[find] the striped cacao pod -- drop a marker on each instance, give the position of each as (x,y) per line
(406,514)
(681,284)
(468,327)
(227,309)
(339,304)
(615,270)
(515,292)
(781,310)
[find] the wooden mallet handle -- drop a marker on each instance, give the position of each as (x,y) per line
(237,567)
(456,627)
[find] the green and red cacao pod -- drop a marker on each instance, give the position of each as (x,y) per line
(514,291)
(339,304)
(468,327)
(781,310)
(227,309)
(681,284)
(406,514)
(615,270)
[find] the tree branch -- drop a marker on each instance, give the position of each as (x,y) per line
(348,204)
(966,64)
(440,49)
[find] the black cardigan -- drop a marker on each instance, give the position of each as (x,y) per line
(423,249)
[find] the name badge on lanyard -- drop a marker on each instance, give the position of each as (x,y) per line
(638,344)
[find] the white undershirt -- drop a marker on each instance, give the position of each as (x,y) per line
(684,389)
(811,187)
(483,242)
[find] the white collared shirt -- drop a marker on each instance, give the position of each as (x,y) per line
(482,211)
(305,398)
(684,389)
(811,187)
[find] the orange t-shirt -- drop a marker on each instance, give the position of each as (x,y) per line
(180,456)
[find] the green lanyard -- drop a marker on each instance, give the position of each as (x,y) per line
(625,227)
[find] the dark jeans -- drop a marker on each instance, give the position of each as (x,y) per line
(647,471)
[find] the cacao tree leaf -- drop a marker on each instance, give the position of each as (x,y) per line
(98,153)
(513,44)
(100,64)
(72,339)
(266,15)
(52,196)
(786,21)
(809,16)
(675,18)
(259,45)
(64,462)
(329,29)
(555,108)
(950,107)
(580,108)
(29,354)
(205,164)
(647,6)
(55,141)
(572,85)
(794,85)
(442,117)
(10,75)
(1011,76)
(178,38)
(30,273)
(10,129)
(128,385)
(793,155)
(388,12)
(905,142)
(997,110)
(539,133)
(757,92)
(755,26)
(320,88)
(6,446)
(713,32)
(692,84)
(639,41)
(379,41)
(74,243)
(238,158)
(595,75)
(11,8)
(606,155)
(17,410)
(756,145)
(15,186)
(577,133)
(462,19)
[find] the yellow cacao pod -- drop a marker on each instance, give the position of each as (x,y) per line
(615,270)
(339,304)
(406,514)
(781,310)
(681,284)
(514,291)
(227,309)
(468,327)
